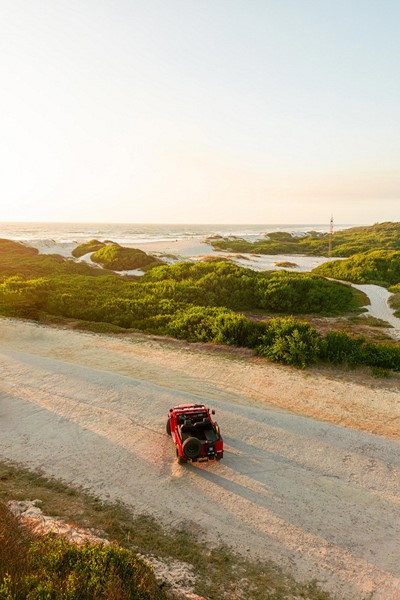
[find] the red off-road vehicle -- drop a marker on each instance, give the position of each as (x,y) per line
(196,435)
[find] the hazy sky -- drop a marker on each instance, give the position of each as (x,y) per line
(207,111)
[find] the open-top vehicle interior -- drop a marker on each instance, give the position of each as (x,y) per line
(200,427)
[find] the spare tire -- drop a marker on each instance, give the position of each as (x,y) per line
(191,448)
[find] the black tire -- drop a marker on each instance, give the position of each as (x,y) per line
(191,448)
(181,461)
(168,427)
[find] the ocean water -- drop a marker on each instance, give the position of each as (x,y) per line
(131,233)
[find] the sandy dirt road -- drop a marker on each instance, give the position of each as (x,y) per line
(320,499)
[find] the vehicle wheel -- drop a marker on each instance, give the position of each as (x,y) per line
(168,427)
(191,448)
(180,460)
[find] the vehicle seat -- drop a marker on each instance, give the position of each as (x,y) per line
(203,425)
(187,427)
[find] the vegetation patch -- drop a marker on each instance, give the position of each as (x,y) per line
(380,267)
(224,284)
(394,300)
(91,246)
(290,342)
(267,246)
(30,265)
(50,567)
(286,264)
(218,568)
(118,258)
(380,372)
(370,321)
(338,347)
(8,247)
(382,236)
(152,301)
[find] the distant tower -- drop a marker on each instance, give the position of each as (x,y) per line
(330,237)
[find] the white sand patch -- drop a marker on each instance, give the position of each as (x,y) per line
(52,247)
(32,517)
(136,272)
(268,262)
(184,248)
(379,306)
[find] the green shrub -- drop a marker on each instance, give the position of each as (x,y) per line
(44,265)
(301,293)
(226,284)
(119,258)
(201,324)
(394,300)
(22,298)
(51,568)
(290,342)
(8,247)
(338,347)
(91,246)
(14,546)
(63,570)
(383,356)
(381,267)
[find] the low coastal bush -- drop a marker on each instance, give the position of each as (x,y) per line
(260,247)
(290,342)
(165,290)
(9,247)
(394,300)
(345,243)
(303,293)
(22,261)
(22,297)
(381,236)
(14,546)
(90,246)
(286,264)
(337,347)
(51,568)
(218,325)
(226,284)
(118,258)
(380,267)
